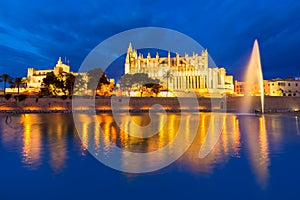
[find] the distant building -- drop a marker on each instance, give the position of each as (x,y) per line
(280,87)
(273,87)
(189,73)
(35,77)
(239,87)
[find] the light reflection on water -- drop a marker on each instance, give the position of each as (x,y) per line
(38,138)
(44,139)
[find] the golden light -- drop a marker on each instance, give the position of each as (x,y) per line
(31,142)
(57,108)
(103,108)
(145,108)
(6,108)
(82,108)
(202,107)
(32,108)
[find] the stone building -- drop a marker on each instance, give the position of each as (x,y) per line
(35,77)
(188,73)
(282,87)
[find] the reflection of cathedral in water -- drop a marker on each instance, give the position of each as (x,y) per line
(41,137)
(228,144)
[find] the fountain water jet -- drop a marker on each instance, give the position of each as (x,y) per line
(253,80)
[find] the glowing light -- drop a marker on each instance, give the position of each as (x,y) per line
(202,107)
(57,108)
(6,108)
(32,108)
(31,142)
(103,107)
(254,79)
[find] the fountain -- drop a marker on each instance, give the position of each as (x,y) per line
(254,81)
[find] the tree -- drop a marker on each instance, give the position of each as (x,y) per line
(5,78)
(137,81)
(155,87)
(69,83)
(169,76)
(96,78)
(79,84)
(126,82)
(51,85)
(18,83)
(24,82)
(140,79)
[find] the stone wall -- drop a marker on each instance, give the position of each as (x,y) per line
(233,104)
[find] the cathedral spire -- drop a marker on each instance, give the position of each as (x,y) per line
(129,48)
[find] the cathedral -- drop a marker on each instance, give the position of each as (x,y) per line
(184,73)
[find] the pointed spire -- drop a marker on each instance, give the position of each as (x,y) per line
(129,52)
(169,59)
(130,47)
(157,55)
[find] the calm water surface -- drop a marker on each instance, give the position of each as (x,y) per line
(43,157)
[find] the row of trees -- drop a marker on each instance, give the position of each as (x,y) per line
(14,82)
(94,80)
(65,83)
(141,82)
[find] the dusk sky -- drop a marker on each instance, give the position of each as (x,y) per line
(36,33)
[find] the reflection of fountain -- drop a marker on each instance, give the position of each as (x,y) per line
(254,80)
(297,126)
(258,147)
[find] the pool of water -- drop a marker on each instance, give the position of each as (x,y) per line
(45,156)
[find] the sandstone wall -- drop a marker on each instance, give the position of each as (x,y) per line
(233,104)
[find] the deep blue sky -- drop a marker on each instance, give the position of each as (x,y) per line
(36,33)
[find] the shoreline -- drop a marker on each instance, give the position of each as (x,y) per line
(234,104)
(142,111)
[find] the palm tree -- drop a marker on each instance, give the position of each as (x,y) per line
(5,78)
(25,82)
(18,83)
(168,75)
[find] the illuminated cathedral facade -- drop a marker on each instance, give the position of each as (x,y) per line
(186,73)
